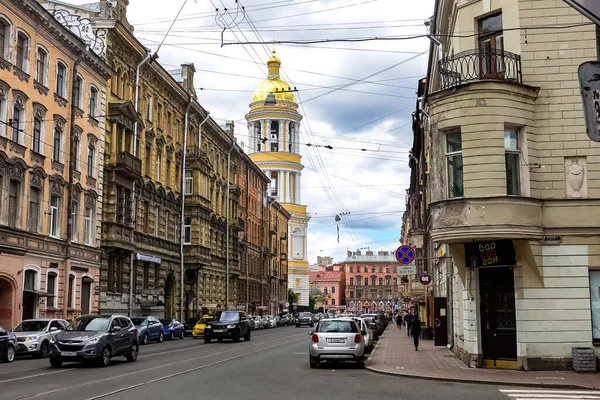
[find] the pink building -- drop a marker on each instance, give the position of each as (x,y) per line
(332,286)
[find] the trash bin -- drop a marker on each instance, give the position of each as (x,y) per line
(584,359)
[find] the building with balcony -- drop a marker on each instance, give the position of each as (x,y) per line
(52,140)
(279,219)
(330,287)
(372,282)
(274,132)
(143,164)
(509,182)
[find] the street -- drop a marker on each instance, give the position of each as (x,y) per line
(274,364)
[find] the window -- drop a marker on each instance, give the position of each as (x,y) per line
(187,230)
(77,90)
(380,269)
(168,172)
(324,290)
(61,75)
(169,121)
(146,214)
(352,294)
(387,270)
(351,269)
(146,277)
(37,135)
(454,164)
(16,124)
(333,290)
(93,101)
(150,106)
(148,159)
(115,275)
(351,281)
(491,46)
(54,216)
(189,181)
(56,142)
(159,110)
(273,176)
(41,64)
(4,39)
(333,302)
(13,203)
(156,220)
(22,52)
(373,280)
(77,153)
(75,223)
(34,209)
(274,135)
(511,155)
(30,280)
(366,281)
(158,166)
(87,226)
(298,282)
(51,289)
(595,299)
(71,294)
(91,159)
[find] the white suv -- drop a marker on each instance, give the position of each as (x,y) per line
(34,335)
(337,339)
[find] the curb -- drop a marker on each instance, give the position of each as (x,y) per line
(471,381)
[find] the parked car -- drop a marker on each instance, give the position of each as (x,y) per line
(33,335)
(8,345)
(229,325)
(252,323)
(188,326)
(378,320)
(372,324)
(95,338)
(259,323)
(149,328)
(277,320)
(200,326)
(286,320)
(305,318)
(366,332)
(336,340)
(172,328)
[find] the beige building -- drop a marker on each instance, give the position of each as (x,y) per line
(52,88)
(507,183)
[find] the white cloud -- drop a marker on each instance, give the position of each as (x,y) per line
(369,184)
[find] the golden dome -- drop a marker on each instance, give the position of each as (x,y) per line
(273,84)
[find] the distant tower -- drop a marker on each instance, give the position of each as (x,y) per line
(274,145)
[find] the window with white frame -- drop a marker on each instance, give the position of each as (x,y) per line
(189,181)
(93,101)
(54,216)
(512,156)
(36,140)
(14,199)
(595,300)
(158,165)
(77,152)
(75,218)
(187,230)
(3,108)
(61,80)
(56,145)
(454,164)
(34,209)
(52,288)
(4,38)
(22,53)
(18,120)
(150,107)
(91,159)
(87,225)
(41,73)
(77,92)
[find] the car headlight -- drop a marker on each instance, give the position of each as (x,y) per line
(31,338)
(53,339)
(230,326)
(208,327)
(93,340)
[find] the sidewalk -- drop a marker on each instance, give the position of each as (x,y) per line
(395,355)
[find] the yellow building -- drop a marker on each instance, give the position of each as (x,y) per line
(52,88)
(274,131)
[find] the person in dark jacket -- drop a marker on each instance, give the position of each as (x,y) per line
(416,331)
(399,321)
(408,318)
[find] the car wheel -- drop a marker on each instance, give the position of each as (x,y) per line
(44,351)
(172,336)
(145,339)
(360,364)
(236,336)
(207,339)
(161,338)
(297,326)
(182,335)
(313,362)
(312,325)
(133,352)
(56,362)
(194,337)
(104,360)
(10,354)
(247,337)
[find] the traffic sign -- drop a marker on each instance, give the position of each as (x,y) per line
(425,279)
(405,254)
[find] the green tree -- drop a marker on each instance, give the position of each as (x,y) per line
(292,297)
(312,302)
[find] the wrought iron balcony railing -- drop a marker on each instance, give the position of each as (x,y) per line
(477,65)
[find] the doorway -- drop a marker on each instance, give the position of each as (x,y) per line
(30,296)
(498,317)
(6,303)
(86,292)
(440,305)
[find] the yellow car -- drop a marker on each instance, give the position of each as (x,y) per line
(198,330)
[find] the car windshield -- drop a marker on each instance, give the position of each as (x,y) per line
(89,324)
(31,326)
(305,314)
(228,316)
(337,327)
(166,321)
(205,320)
(138,321)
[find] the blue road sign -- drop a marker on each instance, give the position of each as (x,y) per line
(405,254)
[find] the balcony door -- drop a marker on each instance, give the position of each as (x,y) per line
(491,47)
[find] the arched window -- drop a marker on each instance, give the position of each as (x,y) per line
(4,38)
(61,80)
(118,79)
(41,73)
(22,53)
(52,287)
(93,101)
(71,292)
(274,135)
(78,92)
(124,86)
(297,244)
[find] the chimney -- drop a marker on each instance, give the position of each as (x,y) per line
(380,253)
(187,76)
(229,127)
(369,253)
(349,253)
(358,252)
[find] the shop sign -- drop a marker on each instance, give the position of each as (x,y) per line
(142,257)
(406,270)
(425,279)
(490,254)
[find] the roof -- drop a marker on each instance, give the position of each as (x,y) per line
(390,258)
(325,276)
(273,84)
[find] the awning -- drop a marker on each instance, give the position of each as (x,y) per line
(38,293)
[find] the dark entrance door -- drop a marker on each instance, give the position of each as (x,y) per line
(440,321)
(86,287)
(498,319)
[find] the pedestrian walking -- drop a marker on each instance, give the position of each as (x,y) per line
(416,332)
(408,318)
(399,321)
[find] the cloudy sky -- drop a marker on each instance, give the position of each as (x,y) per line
(373,114)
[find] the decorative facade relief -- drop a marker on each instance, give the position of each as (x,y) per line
(82,27)
(576,177)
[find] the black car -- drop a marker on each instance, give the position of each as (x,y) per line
(305,318)
(8,345)
(228,325)
(188,326)
(95,338)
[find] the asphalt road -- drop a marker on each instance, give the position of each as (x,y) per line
(273,365)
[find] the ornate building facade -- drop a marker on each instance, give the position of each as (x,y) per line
(141,271)
(52,132)
(279,219)
(273,128)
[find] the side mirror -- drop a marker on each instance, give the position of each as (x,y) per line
(363,333)
(115,329)
(310,333)
(53,329)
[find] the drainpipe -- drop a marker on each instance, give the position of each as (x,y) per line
(227,231)
(182,216)
(72,160)
(132,273)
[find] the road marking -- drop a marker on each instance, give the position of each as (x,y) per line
(300,354)
(551,394)
(32,376)
(158,367)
